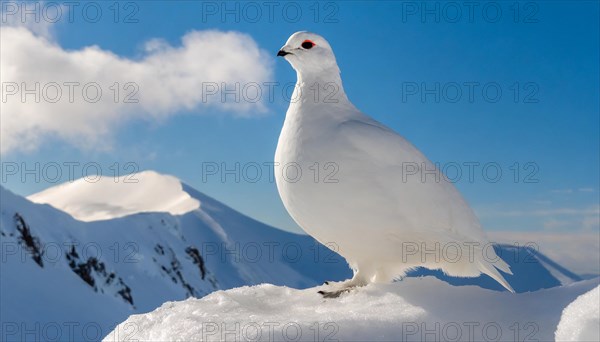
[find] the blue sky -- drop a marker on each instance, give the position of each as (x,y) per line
(543,56)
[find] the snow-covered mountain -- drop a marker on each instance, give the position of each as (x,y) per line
(108,198)
(79,258)
(532,271)
(173,243)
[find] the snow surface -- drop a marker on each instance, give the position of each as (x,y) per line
(416,309)
(581,319)
(104,198)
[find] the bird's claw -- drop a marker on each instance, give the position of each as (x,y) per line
(334,294)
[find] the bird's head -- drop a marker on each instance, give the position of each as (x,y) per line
(310,55)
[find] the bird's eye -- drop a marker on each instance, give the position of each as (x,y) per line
(307,44)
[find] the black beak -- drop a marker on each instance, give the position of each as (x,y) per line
(282,53)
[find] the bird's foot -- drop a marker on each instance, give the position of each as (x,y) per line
(337,289)
(335,294)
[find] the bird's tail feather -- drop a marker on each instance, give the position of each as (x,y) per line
(490,269)
(502,266)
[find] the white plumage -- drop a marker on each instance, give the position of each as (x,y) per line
(359,193)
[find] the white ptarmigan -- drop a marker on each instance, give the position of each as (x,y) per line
(360,188)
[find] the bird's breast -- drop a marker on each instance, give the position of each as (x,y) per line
(305,169)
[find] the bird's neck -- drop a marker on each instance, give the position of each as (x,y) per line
(324,88)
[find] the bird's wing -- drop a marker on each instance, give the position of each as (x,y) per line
(426,199)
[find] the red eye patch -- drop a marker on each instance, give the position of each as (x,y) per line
(308,44)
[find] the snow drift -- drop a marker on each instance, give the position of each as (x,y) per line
(581,319)
(417,309)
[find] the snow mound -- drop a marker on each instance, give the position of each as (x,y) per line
(415,309)
(105,198)
(580,320)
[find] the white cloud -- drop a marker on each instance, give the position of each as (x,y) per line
(168,79)
(591,223)
(562,191)
(592,210)
(29,15)
(570,191)
(582,219)
(587,221)
(553,224)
